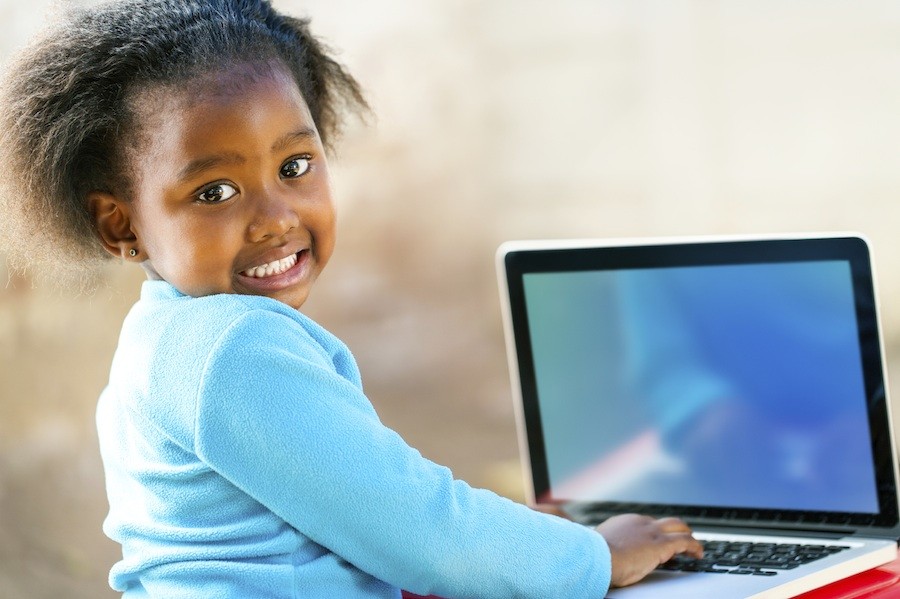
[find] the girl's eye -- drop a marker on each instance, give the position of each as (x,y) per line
(295,167)
(217,193)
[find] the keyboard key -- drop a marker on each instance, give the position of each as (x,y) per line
(744,558)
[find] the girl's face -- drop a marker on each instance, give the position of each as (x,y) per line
(231,188)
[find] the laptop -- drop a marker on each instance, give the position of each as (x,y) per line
(737,383)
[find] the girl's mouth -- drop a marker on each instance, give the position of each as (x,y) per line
(277,275)
(272,268)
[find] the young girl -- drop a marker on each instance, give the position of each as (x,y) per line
(242,457)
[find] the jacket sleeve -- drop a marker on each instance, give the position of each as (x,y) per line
(276,419)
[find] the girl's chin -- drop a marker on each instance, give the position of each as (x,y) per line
(292,296)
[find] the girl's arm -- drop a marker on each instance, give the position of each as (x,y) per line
(277,419)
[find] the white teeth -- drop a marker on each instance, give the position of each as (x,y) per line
(272,268)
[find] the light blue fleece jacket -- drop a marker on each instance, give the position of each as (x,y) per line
(244,461)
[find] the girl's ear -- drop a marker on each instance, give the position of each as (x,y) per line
(112,218)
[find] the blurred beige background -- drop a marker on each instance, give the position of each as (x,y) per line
(495,120)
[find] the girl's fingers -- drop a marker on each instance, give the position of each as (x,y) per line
(673,525)
(694,548)
(679,531)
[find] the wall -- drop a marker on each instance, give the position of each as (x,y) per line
(494,120)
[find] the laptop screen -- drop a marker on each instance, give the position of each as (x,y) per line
(733,376)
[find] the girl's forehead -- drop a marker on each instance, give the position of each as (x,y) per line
(228,84)
(236,82)
(242,110)
(155,105)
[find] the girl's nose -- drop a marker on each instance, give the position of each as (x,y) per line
(273,217)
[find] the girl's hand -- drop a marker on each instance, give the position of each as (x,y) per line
(639,544)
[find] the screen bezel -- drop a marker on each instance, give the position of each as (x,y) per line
(519,261)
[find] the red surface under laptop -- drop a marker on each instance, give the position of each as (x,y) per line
(879,583)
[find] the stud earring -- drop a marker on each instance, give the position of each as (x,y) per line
(132,252)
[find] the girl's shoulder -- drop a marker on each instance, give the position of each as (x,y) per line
(170,317)
(167,332)
(173,347)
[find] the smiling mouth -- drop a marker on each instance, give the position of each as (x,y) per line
(272,268)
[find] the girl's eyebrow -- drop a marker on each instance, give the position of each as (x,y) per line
(285,141)
(194,167)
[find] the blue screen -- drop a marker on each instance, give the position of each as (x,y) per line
(735,385)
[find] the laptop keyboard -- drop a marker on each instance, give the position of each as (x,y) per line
(754,559)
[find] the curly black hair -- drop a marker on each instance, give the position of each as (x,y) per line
(67,113)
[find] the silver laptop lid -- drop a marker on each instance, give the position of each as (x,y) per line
(734,380)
